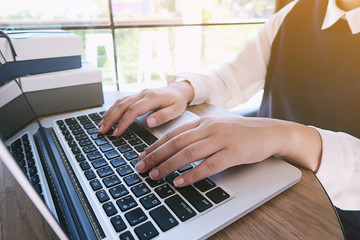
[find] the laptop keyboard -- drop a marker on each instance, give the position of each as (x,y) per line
(132,200)
(23,154)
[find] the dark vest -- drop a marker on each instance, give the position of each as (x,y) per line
(313,76)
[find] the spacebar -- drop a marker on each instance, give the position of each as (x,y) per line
(195,198)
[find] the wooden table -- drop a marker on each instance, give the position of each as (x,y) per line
(301,212)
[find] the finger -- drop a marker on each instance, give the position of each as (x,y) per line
(162,152)
(117,113)
(170,135)
(214,164)
(111,109)
(132,112)
(164,115)
(194,152)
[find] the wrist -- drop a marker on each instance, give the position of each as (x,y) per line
(185,89)
(300,145)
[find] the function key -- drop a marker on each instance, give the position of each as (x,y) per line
(217,195)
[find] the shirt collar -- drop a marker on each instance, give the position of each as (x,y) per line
(334,13)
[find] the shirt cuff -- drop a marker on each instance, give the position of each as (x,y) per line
(337,162)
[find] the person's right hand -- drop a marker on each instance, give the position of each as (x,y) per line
(169,103)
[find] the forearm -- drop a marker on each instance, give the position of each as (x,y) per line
(300,144)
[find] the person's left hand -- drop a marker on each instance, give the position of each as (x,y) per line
(224,141)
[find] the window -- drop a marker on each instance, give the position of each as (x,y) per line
(137,43)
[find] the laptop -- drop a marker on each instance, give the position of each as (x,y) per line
(86,187)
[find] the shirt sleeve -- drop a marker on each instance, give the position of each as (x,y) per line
(241,78)
(339,170)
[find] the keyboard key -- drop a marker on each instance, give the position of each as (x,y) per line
(84,165)
(95,116)
(149,201)
(126,203)
(89,174)
(76,150)
(182,210)
(124,170)
(164,191)
(98,163)
(85,142)
(146,231)
(146,136)
(106,147)
(195,198)
(95,184)
(131,155)
(135,141)
(81,136)
(94,155)
(112,154)
(72,143)
(118,142)
(204,185)
(126,236)
(170,178)
(101,141)
(153,183)
(140,189)
(80,157)
(70,121)
(32,171)
(109,209)
(132,179)
(105,171)
(118,223)
(140,148)
(38,188)
(111,181)
(124,148)
(102,196)
(163,218)
(186,168)
(89,149)
(217,195)
(136,216)
(118,191)
(118,162)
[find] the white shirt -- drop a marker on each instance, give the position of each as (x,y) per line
(238,80)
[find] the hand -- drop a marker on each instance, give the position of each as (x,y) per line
(227,141)
(170,102)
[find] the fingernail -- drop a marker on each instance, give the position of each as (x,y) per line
(101,128)
(151,122)
(179,181)
(115,132)
(140,166)
(101,122)
(154,174)
(142,155)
